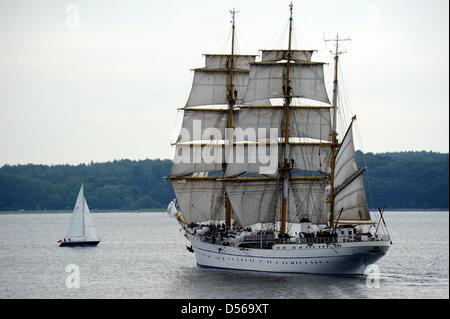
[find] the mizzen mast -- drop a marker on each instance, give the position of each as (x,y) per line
(335,142)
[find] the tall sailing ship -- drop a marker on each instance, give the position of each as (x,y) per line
(262,181)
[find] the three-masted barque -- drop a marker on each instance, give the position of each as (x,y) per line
(262,182)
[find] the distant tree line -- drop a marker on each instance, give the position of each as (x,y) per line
(123,184)
(414,180)
(405,180)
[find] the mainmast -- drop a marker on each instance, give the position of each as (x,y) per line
(335,142)
(287,101)
(231,97)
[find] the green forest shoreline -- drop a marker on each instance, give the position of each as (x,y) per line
(396,181)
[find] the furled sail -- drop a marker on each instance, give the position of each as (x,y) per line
(199,200)
(349,183)
(253,201)
(266,81)
(81,225)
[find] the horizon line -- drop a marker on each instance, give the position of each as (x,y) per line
(167,159)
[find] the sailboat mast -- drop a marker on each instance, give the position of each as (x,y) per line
(84,235)
(287,102)
(231,103)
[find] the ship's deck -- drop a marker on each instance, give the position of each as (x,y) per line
(267,240)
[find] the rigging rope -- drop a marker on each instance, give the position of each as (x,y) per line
(278,37)
(223,41)
(346,102)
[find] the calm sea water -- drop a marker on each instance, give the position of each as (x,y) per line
(143,255)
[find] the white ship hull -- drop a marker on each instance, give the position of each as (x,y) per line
(346,258)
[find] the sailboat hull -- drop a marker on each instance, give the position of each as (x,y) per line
(350,258)
(79,243)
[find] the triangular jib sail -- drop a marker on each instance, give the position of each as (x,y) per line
(81,226)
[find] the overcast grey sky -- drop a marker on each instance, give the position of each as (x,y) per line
(109,89)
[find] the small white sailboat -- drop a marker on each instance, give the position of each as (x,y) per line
(81,229)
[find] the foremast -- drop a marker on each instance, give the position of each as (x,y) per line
(216,89)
